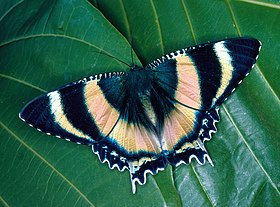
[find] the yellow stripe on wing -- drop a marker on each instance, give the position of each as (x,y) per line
(60,117)
(226,68)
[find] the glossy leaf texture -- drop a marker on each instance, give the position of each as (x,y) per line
(45,44)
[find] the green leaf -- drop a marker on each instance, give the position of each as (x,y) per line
(45,44)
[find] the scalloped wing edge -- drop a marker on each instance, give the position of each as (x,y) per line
(129,167)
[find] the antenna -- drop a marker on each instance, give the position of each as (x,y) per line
(131,52)
(103,53)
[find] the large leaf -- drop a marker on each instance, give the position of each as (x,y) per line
(44,44)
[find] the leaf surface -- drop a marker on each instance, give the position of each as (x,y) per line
(45,44)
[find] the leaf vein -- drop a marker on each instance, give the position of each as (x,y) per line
(195,40)
(125,19)
(189,21)
(256,65)
(158,25)
(204,190)
(4,202)
(71,185)
(250,150)
(48,18)
(233,17)
(57,36)
(258,193)
(9,10)
(259,3)
(22,82)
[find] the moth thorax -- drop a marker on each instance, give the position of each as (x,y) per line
(146,102)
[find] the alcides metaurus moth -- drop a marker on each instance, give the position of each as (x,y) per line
(147,118)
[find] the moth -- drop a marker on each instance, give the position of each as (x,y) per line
(149,117)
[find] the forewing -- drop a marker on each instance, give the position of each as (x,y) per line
(78,111)
(207,74)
